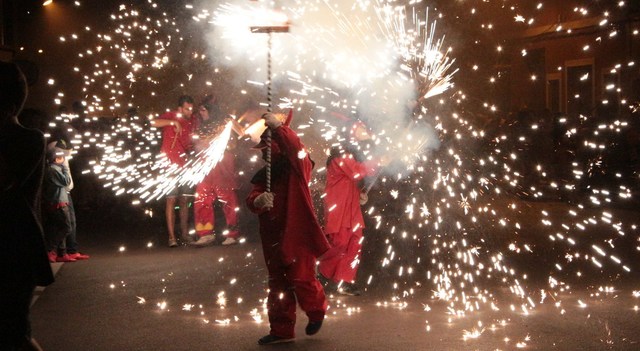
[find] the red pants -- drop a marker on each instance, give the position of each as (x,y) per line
(204,212)
(341,262)
(288,284)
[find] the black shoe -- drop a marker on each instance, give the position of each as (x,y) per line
(313,327)
(186,239)
(272,339)
(349,289)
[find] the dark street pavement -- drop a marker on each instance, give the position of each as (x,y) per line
(137,294)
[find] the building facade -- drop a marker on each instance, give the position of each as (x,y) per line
(578,61)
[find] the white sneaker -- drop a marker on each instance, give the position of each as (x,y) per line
(229,241)
(205,240)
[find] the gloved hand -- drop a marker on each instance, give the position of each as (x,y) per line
(363,198)
(271,120)
(264,201)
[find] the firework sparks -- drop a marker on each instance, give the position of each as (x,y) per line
(445,213)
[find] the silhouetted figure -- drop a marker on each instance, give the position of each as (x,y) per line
(23,259)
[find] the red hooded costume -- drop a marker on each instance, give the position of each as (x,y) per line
(343,216)
(291,236)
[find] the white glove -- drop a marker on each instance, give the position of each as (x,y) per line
(271,120)
(264,201)
(363,198)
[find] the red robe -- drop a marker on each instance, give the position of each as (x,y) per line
(343,217)
(291,235)
(291,224)
(342,199)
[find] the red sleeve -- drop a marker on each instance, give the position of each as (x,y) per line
(354,169)
(169,116)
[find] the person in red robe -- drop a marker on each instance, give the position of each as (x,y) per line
(219,184)
(344,223)
(291,236)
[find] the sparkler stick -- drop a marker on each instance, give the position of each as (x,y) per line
(367,188)
(173,142)
(269,30)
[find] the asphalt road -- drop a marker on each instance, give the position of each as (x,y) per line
(137,294)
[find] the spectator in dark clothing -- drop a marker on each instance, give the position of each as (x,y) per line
(23,258)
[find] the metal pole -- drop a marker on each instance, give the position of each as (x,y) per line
(269,109)
(269,30)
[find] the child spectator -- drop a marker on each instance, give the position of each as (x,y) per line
(56,206)
(71,240)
